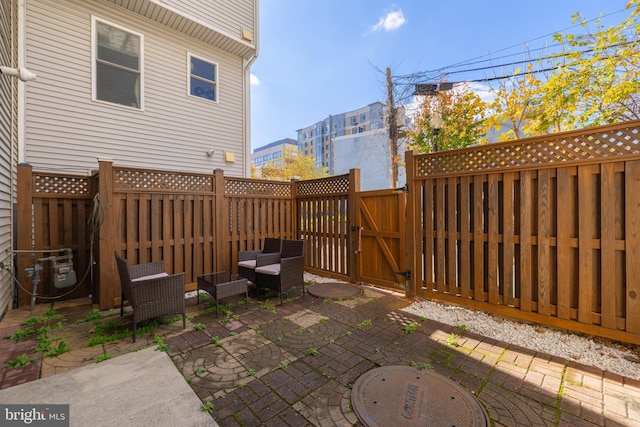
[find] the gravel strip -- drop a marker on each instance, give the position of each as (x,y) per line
(607,355)
(615,357)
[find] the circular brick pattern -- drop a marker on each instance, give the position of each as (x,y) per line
(334,290)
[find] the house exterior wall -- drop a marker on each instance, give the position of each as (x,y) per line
(67,131)
(229,16)
(8,148)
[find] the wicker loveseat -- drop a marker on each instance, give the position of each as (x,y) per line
(282,271)
(247,259)
(150,291)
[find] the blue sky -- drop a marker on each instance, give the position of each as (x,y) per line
(322,57)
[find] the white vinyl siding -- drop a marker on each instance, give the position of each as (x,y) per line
(67,131)
(8,148)
(227,15)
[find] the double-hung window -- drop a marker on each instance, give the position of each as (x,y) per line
(203,78)
(117,64)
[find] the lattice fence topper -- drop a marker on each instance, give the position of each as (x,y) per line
(70,185)
(324,186)
(567,148)
(244,187)
(162,181)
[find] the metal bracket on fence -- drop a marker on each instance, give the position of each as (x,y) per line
(359,230)
(406,274)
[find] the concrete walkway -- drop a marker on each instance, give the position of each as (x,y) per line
(294,365)
(142,388)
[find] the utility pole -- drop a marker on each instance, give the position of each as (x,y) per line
(392,124)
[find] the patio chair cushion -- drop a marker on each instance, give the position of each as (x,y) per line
(250,263)
(151,276)
(271,269)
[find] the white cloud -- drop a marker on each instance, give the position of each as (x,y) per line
(392,21)
(254,80)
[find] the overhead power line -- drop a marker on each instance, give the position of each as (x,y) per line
(481,59)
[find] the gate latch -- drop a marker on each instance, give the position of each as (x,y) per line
(406,274)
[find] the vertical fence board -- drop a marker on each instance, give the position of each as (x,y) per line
(585,239)
(478,238)
(544,251)
(144,229)
(608,206)
(197,249)
(465,210)
(564,190)
(440,236)
(453,285)
(492,241)
(526,283)
(508,230)
(156,226)
(632,226)
(167,231)
(429,235)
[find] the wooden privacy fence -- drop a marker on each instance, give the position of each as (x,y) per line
(324,208)
(195,223)
(53,212)
(544,229)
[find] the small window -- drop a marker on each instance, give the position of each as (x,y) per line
(117,65)
(363,117)
(203,79)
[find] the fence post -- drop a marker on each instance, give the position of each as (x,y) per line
(352,212)
(220,224)
(108,278)
(411,227)
(24,221)
(295,221)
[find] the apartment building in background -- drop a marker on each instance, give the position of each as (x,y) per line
(272,154)
(317,140)
(354,139)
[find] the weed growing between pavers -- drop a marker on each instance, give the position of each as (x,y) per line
(111,331)
(207,407)
(161,344)
(103,357)
(453,340)
(20,361)
(50,320)
(411,327)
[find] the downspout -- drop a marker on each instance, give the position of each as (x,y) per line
(22,47)
(246,92)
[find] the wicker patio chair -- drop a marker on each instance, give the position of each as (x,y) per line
(280,272)
(150,291)
(247,259)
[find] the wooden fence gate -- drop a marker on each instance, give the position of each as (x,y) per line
(380,238)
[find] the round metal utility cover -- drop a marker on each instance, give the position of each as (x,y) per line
(405,396)
(334,290)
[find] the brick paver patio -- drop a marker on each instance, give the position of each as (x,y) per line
(295,364)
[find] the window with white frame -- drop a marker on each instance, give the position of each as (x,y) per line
(203,78)
(117,64)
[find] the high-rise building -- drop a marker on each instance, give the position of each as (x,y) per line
(355,139)
(318,139)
